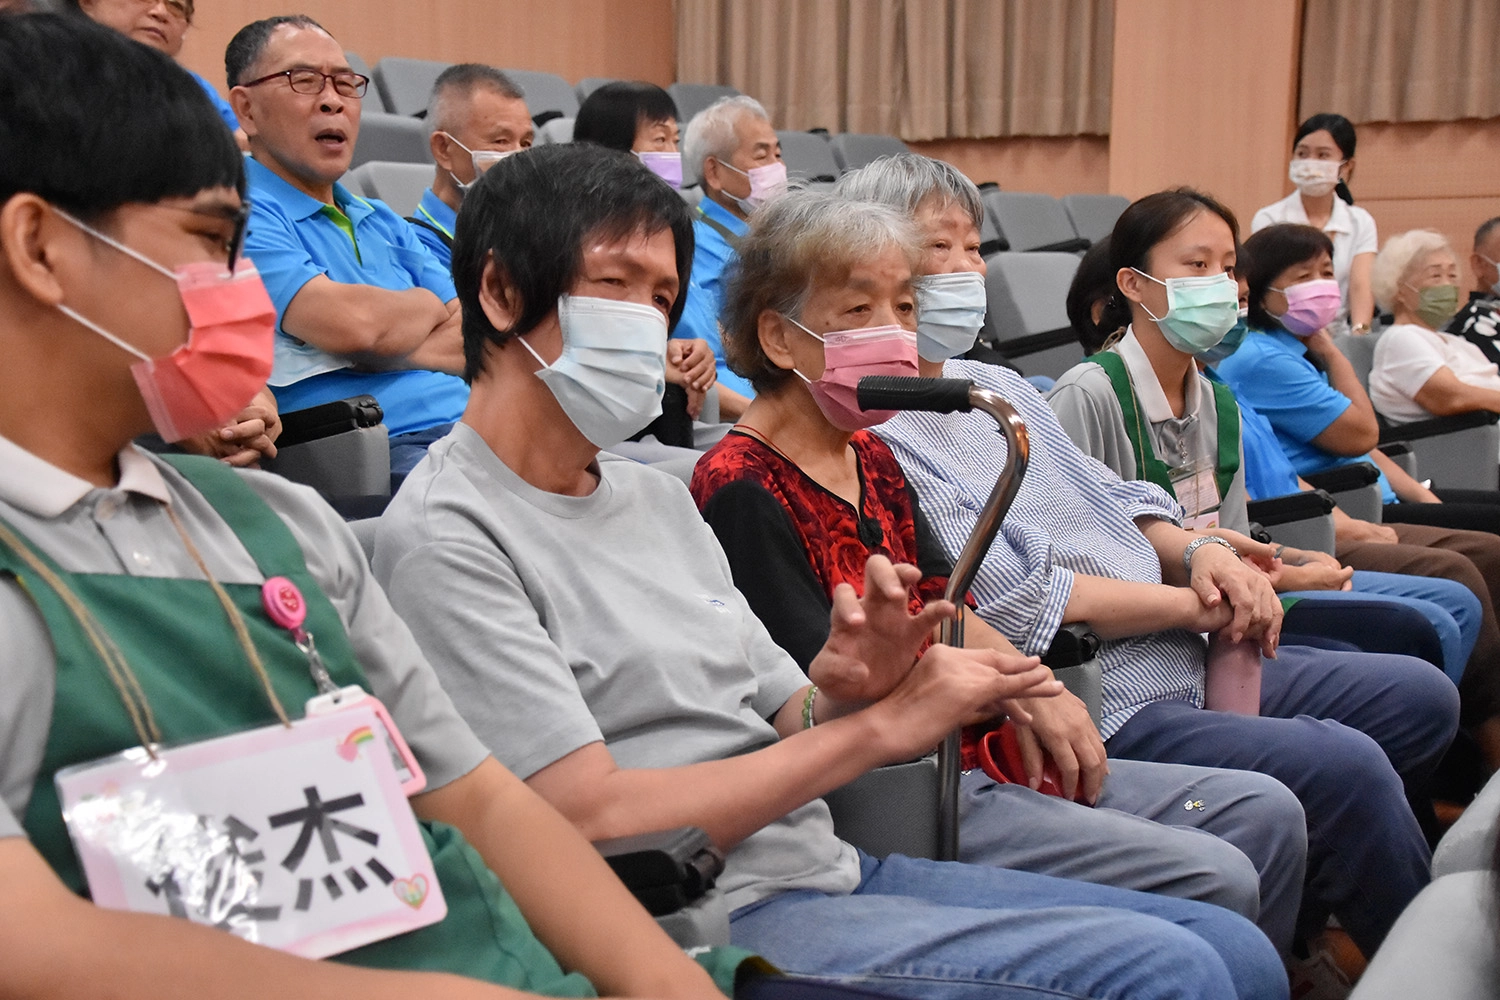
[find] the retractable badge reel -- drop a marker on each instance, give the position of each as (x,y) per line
(286,608)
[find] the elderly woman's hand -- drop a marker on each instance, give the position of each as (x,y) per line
(873,641)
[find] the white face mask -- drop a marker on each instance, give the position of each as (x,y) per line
(611,374)
(1315,178)
(482,159)
(950,311)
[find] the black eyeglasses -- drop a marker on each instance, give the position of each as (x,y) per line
(235,246)
(311,82)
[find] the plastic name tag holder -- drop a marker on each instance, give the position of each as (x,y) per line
(296,837)
(1198,493)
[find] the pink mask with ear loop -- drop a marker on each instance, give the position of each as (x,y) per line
(228,354)
(850,355)
(1310,305)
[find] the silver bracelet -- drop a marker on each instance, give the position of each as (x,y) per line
(1198,543)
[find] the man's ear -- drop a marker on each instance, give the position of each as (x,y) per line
(771,329)
(499,298)
(437,144)
(239,99)
(712,174)
(29,248)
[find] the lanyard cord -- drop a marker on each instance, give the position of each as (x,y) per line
(236,620)
(124,679)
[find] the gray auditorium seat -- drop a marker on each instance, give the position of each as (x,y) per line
(855,149)
(399,185)
(373,100)
(692,98)
(556,131)
(1027,220)
(545,92)
(589,84)
(1094,215)
(807,155)
(391,138)
(405,84)
(1027,319)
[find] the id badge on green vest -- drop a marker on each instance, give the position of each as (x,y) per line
(1198,493)
(299,838)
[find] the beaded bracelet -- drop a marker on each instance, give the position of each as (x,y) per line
(807,707)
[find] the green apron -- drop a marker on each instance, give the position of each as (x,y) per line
(196,678)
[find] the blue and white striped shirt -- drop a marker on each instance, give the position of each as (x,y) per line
(1072,515)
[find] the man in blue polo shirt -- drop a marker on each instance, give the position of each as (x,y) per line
(478,117)
(734,152)
(362,306)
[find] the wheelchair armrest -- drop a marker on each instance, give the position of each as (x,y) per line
(1437,425)
(666,871)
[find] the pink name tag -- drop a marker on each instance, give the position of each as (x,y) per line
(297,838)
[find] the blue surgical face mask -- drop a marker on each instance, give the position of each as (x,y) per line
(1231,342)
(611,374)
(1200,310)
(950,311)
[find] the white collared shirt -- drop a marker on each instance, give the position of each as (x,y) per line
(1351,228)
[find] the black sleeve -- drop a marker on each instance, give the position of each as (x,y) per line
(770,567)
(931,559)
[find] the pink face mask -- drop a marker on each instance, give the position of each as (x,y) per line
(227,358)
(1310,305)
(850,355)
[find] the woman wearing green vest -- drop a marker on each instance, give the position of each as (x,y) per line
(166,606)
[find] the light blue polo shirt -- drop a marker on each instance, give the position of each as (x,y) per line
(1271,373)
(293,238)
(220,105)
(712,256)
(435,212)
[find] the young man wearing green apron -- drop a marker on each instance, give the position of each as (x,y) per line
(131,588)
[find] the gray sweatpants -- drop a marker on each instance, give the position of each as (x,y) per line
(1234,838)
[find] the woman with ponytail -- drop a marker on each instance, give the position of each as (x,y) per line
(1322,164)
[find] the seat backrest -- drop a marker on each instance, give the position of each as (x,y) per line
(1094,215)
(406,84)
(853,150)
(1027,220)
(545,92)
(807,155)
(391,138)
(1360,350)
(691,195)
(1027,294)
(399,185)
(589,84)
(555,132)
(373,100)
(692,98)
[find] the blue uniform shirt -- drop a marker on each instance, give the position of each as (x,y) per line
(712,256)
(435,212)
(1272,374)
(292,239)
(220,105)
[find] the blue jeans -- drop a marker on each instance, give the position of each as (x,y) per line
(1342,731)
(409,449)
(1450,608)
(929,929)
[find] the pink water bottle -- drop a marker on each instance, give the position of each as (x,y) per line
(1232,679)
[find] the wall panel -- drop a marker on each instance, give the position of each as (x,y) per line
(1054,165)
(573,38)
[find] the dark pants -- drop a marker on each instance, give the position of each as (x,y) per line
(409,449)
(1471,510)
(1343,731)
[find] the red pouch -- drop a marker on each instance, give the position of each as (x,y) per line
(1000,758)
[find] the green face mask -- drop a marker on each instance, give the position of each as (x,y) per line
(1436,304)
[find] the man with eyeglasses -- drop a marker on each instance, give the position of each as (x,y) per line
(362,306)
(161,24)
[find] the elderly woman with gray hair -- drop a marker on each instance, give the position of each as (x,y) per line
(1421,372)
(801,494)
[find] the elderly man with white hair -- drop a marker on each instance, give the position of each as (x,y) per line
(1420,371)
(732,151)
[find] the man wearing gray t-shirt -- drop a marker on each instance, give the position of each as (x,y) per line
(586,624)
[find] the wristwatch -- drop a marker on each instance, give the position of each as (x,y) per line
(1198,543)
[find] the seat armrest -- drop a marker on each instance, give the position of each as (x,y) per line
(1074,659)
(1291,507)
(1437,425)
(1354,476)
(666,871)
(328,419)
(890,810)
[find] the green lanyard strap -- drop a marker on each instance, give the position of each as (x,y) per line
(729,235)
(1148,466)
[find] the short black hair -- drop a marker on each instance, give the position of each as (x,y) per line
(1093,282)
(1271,251)
(90,120)
(247,45)
(1486,227)
(535,211)
(1146,223)
(1342,131)
(611,114)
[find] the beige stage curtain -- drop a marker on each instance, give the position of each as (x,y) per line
(920,69)
(1401,60)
